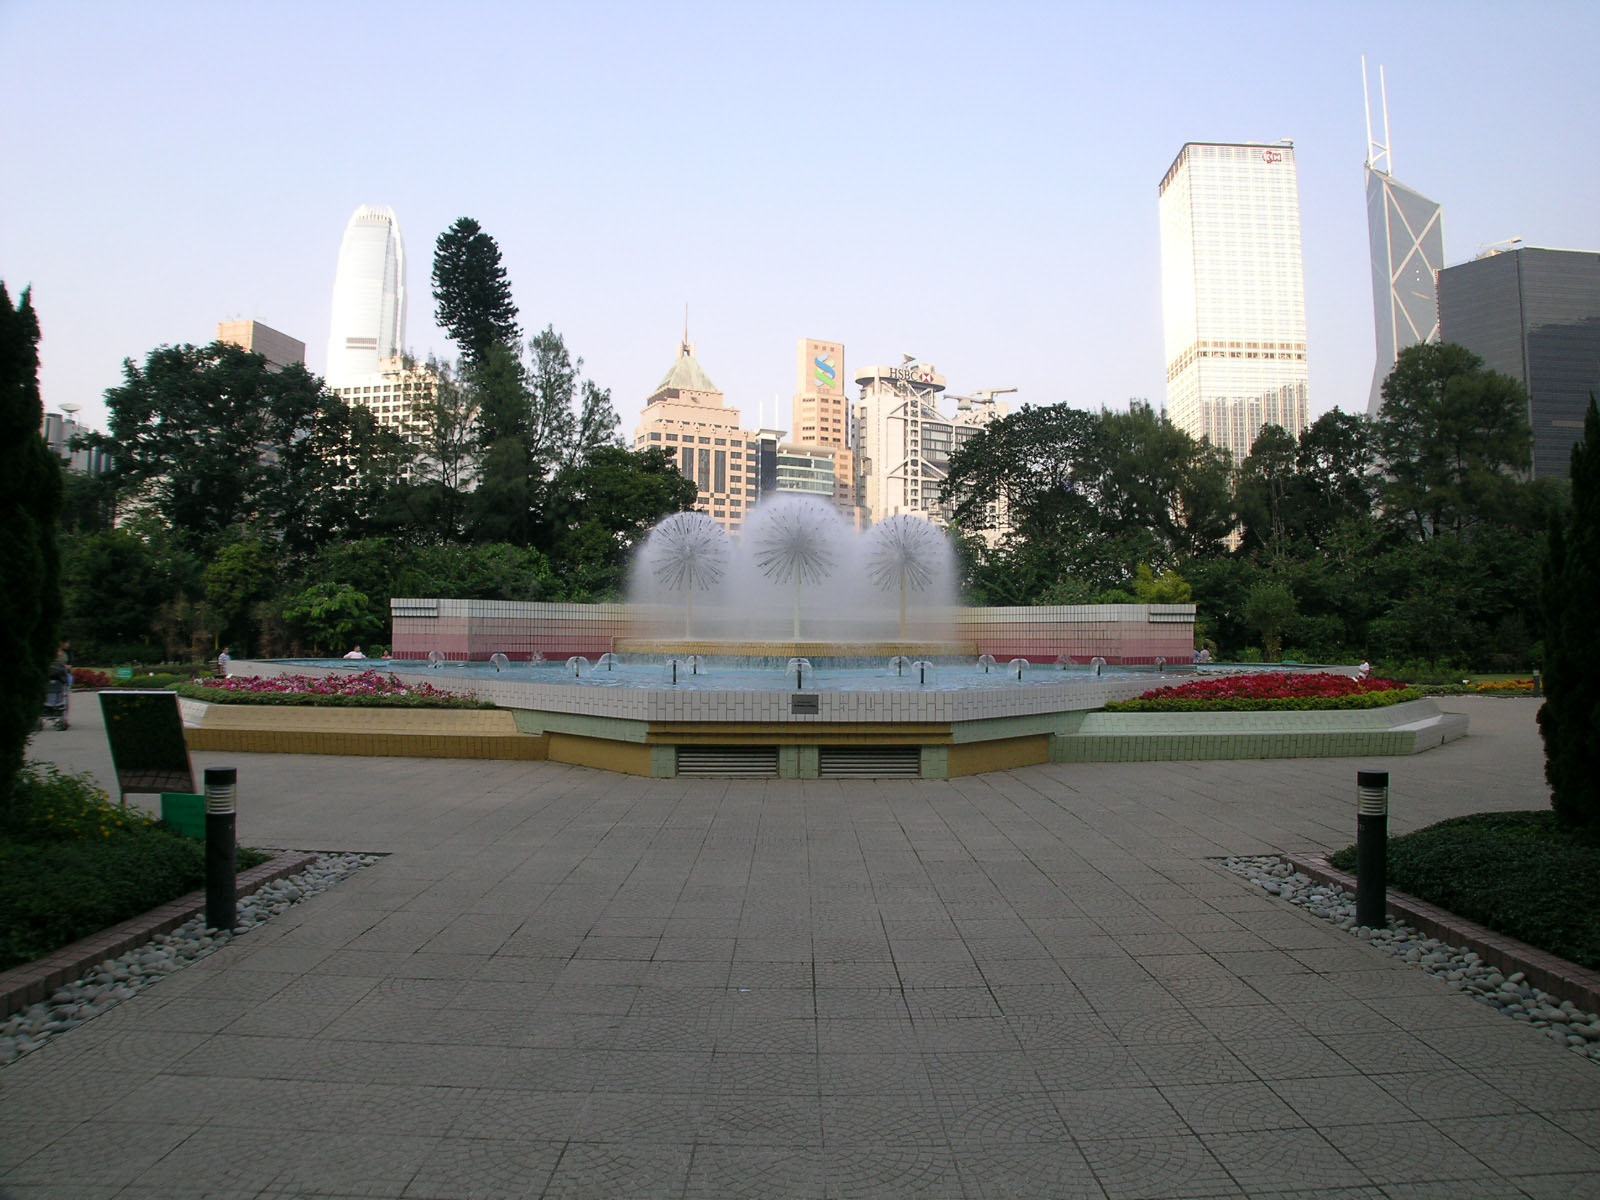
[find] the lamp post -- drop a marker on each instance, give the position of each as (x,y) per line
(1372,847)
(222,902)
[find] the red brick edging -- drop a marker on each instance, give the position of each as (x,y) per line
(1562,979)
(36,981)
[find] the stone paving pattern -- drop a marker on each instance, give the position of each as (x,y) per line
(1035,983)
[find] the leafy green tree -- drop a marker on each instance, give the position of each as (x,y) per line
(1454,439)
(603,507)
(1335,478)
(552,390)
(1167,588)
(597,423)
(329,618)
(88,502)
(115,586)
(343,480)
(1088,497)
(197,432)
(1262,489)
(1570,718)
(471,294)
(489,572)
(30,499)
(237,578)
(1269,608)
(446,464)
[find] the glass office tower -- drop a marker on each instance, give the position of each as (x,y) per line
(1533,314)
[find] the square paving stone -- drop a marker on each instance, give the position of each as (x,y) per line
(754,1172)
(589,1169)
(1261,1160)
(1404,1152)
(1147,1167)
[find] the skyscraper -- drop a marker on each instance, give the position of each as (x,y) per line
(1406,232)
(1533,314)
(1233,292)
(687,416)
(369,297)
(821,426)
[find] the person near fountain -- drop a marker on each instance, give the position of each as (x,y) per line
(356,653)
(225,662)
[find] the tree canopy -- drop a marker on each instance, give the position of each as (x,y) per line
(1454,438)
(471,294)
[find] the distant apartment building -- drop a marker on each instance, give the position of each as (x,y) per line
(368,323)
(903,441)
(1405,231)
(279,349)
(1233,292)
(687,417)
(1533,314)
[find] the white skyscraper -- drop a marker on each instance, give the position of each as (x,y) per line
(1233,292)
(369,297)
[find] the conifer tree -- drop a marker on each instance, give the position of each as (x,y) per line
(1570,718)
(471,293)
(30,500)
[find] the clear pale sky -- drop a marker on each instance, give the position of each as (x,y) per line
(974,184)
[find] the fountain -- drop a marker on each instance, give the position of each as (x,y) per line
(816,647)
(799,582)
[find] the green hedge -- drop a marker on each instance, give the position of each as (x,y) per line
(1519,873)
(1300,704)
(72,863)
(214,695)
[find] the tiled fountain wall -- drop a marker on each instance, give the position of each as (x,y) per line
(472,630)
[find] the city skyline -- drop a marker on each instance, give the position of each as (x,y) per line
(981,208)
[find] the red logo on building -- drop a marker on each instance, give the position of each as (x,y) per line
(1272,156)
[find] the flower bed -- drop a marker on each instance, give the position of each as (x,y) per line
(1273,691)
(365,689)
(1507,687)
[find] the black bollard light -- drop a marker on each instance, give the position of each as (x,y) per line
(222,904)
(1372,847)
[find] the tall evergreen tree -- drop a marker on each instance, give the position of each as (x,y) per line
(30,499)
(1570,718)
(471,293)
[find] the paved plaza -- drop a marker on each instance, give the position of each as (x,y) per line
(1035,983)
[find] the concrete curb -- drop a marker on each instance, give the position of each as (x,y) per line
(1563,979)
(37,981)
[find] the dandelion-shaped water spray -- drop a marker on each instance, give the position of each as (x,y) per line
(792,544)
(901,554)
(689,554)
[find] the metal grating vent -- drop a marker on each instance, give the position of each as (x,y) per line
(728,760)
(869,760)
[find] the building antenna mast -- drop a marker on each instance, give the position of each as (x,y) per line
(1378,156)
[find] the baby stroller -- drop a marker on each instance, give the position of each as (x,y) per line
(57,690)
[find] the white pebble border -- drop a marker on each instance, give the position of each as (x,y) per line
(116,979)
(1563,1022)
